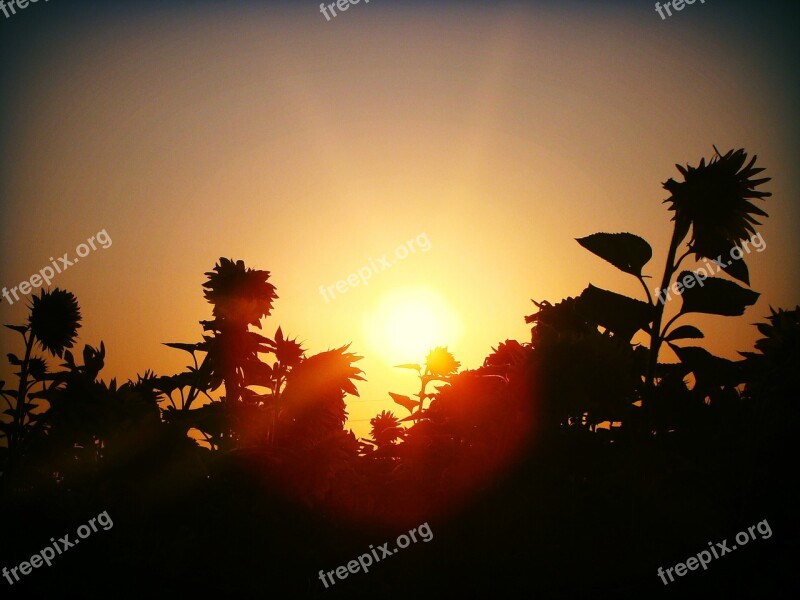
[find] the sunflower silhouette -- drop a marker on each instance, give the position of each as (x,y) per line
(714,200)
(239,294)
(54,320)
(386,429)
(441,362)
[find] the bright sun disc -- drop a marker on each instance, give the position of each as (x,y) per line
(407,324)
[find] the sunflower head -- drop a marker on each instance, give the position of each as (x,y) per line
(386,429)
(288,352)
(562,317)
(37,368)
(238,294)
(773,369)
(54,320)
(781,334)
(440,362)
(714,199)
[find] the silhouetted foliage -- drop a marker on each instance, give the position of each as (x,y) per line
(576,451)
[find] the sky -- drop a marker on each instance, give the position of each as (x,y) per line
(489,134)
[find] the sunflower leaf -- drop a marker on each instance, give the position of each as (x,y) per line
(404,401)
(617,313)
(190,348)
(724,257)
(684,332)
(416,416)
(626,251)
(736,269)
(708,369)
(716,296)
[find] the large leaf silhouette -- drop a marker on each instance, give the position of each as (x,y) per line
(716,297)
(737,269)
(619,314)
(626,251)
(708,369)
(723,257)
(684,332)
(190,348)
(404,401)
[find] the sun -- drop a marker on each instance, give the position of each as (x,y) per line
(408,323)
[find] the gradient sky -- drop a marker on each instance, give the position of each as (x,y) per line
(260,131)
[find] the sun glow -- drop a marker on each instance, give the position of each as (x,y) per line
(408,323)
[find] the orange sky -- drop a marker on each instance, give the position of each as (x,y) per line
(306,148)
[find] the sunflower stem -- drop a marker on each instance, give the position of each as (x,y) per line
(680,260)
(194,391)
(670,322)
(425,378)
(655,332)
(22,392)
(646,290)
